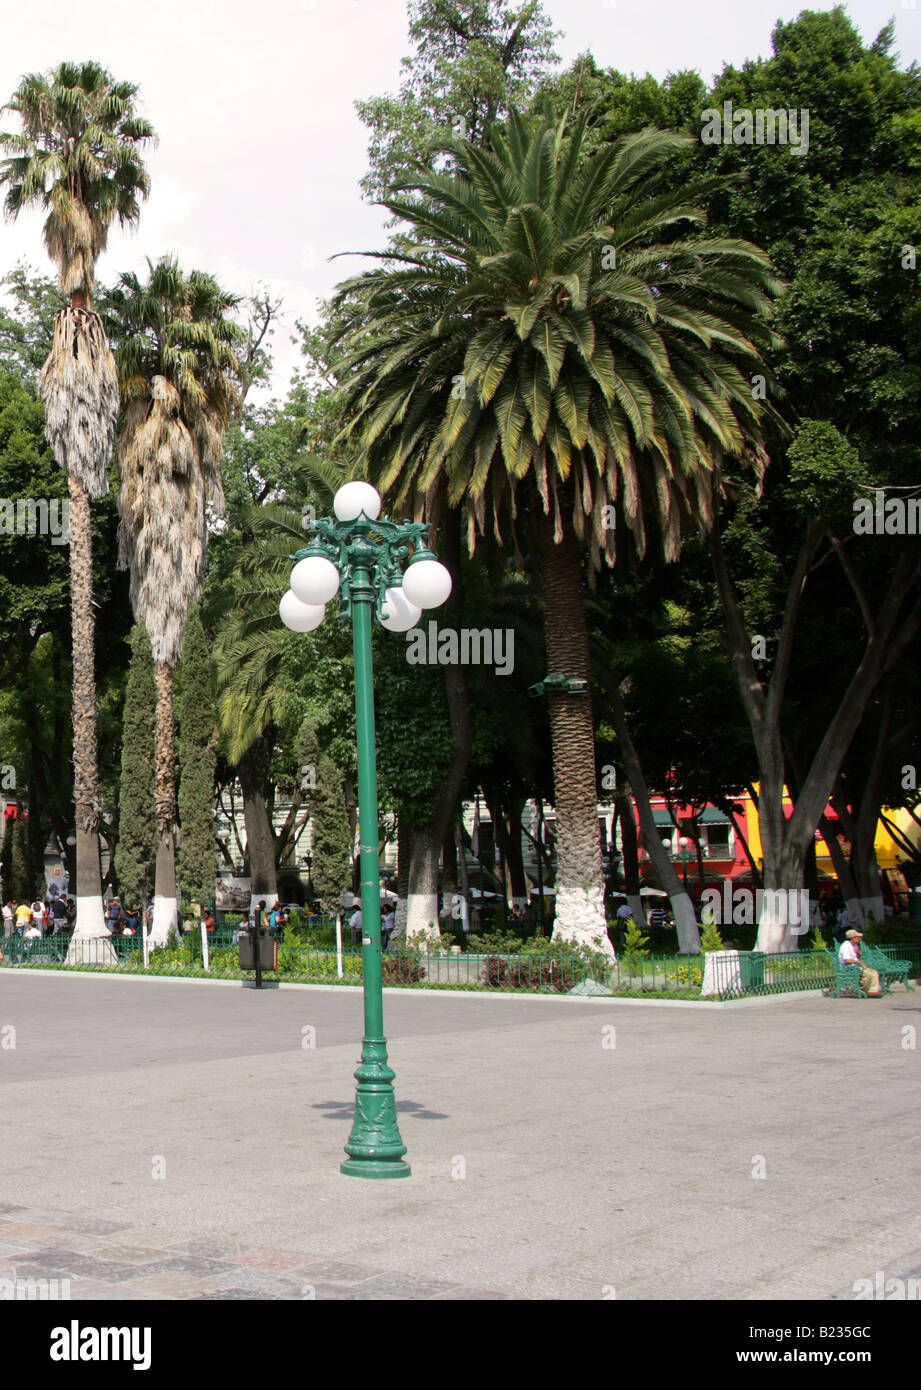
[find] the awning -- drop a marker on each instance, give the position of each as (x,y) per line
(710,816)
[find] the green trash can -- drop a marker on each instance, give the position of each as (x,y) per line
(751,965)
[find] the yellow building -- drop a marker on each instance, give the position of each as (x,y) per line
(889,854)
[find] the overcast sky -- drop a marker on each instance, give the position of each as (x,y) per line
(255,177)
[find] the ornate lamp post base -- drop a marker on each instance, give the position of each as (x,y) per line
(374,1147)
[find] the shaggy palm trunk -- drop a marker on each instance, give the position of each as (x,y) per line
(90,916)
(580,915)
(165,906)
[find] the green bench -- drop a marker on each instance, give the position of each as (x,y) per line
(888,968)
(847,978)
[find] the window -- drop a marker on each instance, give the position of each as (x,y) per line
(718,839)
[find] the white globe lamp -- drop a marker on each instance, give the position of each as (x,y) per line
(298,616)
(397,613)
(354,498)
(315,579)
(426,583)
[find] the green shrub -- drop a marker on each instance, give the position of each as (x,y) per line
(505,942)
(634,941)
(710,939)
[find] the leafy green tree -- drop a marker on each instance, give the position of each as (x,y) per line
(473,60)
(841,221)
(22,886)
(197,715)
(6,858)
(136,849)
(27,325)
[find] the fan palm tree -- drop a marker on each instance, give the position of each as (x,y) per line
(547,345)
(78,156)
(177,370)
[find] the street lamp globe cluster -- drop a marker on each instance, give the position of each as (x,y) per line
(328,564)
(359,556)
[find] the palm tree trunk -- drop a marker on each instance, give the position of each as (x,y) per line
(580,915)
(90,923)
(165,907)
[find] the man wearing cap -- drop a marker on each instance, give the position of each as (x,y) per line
(849,954)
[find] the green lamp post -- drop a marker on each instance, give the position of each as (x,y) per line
(360,557)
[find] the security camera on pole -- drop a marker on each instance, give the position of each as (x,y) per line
(360,556)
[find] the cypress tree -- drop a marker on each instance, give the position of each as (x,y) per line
(6,859)
(21,887)
(36,839)
(136,850)
(332,848)
(196,713)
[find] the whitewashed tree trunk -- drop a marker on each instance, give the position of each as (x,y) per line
(580,918)
(422,898)
(92,945)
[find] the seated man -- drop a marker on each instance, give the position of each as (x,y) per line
(849,954)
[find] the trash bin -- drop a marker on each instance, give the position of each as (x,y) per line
(752,970)
(268,953)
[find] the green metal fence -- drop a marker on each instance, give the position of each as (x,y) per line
(731,975)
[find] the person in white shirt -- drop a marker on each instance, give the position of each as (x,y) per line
(356,922)
(33,934)
(849,954)
(388,922)
(9,914)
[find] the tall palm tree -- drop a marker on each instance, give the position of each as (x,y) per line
(78,156)
(549,349)
(177,370)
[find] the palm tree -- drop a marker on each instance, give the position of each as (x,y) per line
(176,368)
(77,155)
(546,349)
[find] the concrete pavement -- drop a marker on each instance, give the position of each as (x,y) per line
(177,1139)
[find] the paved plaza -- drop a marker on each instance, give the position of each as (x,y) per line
(182,1139)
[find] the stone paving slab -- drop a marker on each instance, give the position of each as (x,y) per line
(211,1269)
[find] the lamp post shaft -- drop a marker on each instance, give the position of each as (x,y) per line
(375,1147)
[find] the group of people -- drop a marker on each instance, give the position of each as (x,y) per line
(41,917)
(274,920)
(388,925)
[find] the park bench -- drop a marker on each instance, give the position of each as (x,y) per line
(847,977)
(888,968)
